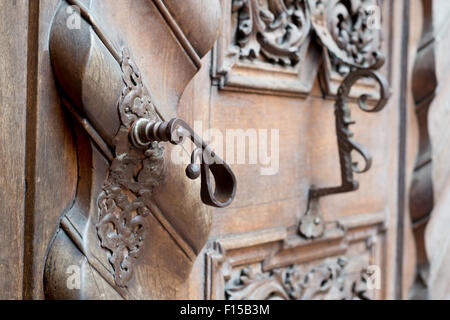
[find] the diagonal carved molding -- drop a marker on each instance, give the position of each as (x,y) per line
(352,34)
(266,47)
(122,225)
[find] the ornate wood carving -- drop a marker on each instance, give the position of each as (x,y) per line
(275,33)
(276,264)
(278,37)
(352,35)
(133,172)
(344,28)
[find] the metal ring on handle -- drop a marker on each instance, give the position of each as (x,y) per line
(144,132)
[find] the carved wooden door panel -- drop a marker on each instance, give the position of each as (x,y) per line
(212,149)
(139,219)
(287,67)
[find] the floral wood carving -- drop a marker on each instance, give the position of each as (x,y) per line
(325,281)
(123,204)
(279,38)
(346,143)
(348,39)
(275,32)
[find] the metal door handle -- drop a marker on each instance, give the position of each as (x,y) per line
(145,131)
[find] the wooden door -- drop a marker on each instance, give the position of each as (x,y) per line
(277,240)
(266,85)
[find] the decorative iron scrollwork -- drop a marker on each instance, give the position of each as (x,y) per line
(124,202)
(312,224)
(328,280)
(345,29)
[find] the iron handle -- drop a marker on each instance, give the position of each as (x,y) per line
(312,224)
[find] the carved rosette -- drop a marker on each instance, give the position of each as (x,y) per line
(351,34)
(274,31)
(123,204)
(326,281)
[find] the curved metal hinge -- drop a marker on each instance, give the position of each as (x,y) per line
(145,131)
(312,224)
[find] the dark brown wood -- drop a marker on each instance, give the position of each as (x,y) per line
(122,191)
(102,219)
(51,158)
(13,36)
